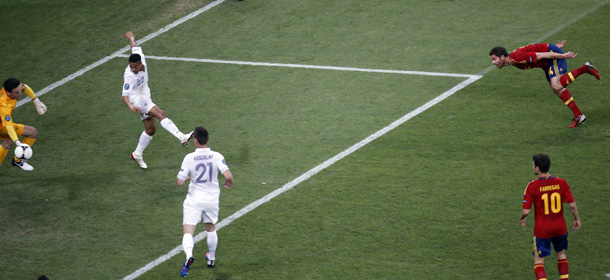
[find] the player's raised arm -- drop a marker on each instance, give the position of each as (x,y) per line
(40,107)
(132,39)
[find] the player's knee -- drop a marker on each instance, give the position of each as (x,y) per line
(31,132)
(6,144)
(162,114)
(151,130)
(557,88)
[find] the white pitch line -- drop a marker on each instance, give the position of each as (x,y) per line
(290,185)
(319,67)
(119,52)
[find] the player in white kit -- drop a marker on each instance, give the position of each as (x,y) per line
(136,95)
(202,201)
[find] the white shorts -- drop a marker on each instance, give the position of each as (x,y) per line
(193,212)
(145,105)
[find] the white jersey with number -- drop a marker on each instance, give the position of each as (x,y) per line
(136,85)
(203,167)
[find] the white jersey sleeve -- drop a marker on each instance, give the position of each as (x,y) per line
(222,165)
(185,168)
(129,82)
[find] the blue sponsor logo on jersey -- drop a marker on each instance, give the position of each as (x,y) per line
(140,81)
(126,86)
(7,118)
(224,162)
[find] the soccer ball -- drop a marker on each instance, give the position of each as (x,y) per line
(23,152)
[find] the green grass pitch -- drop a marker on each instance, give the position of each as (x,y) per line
(438,197)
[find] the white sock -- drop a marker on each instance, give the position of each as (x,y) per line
(171,127)
(212,243)
(188,243)
(143,143)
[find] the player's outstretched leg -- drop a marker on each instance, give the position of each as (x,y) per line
(173,129)
(186,266)
(592,70)
(185,138)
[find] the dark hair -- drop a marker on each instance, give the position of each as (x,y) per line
(543,162)
(10,84)
(498,51)
(135,58)
(202,135)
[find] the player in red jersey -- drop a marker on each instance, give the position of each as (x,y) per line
(553,61)
(547,194)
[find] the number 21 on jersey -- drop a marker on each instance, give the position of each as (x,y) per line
(206,172)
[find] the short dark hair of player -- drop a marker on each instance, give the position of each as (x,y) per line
(543,162)
(135,58)
(10,84)
(498,51)
(202,135)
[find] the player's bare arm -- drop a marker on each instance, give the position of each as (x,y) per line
(134,109)
(524,214)
(181,182)
(561,43)
(552,55)
(574,210)
(132,39)
(228,179)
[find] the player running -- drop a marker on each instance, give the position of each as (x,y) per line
(202,201)
(9,131)
(553,61)
(136,95)
(547,194)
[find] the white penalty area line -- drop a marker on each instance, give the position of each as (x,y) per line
(290,185)
(305,66)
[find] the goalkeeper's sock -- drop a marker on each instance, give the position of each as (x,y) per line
(3,153)
(143,142)
(567,98)
(212,244)
(171,127)
(29,141)
(539,271)
(569,77)
(562,267)
(188,243)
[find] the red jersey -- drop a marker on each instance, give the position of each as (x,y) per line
(525,57)
(548,195)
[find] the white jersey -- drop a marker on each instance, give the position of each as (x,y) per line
(136,85)
(203,166)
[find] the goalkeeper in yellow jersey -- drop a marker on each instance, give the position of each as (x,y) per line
(9,131)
